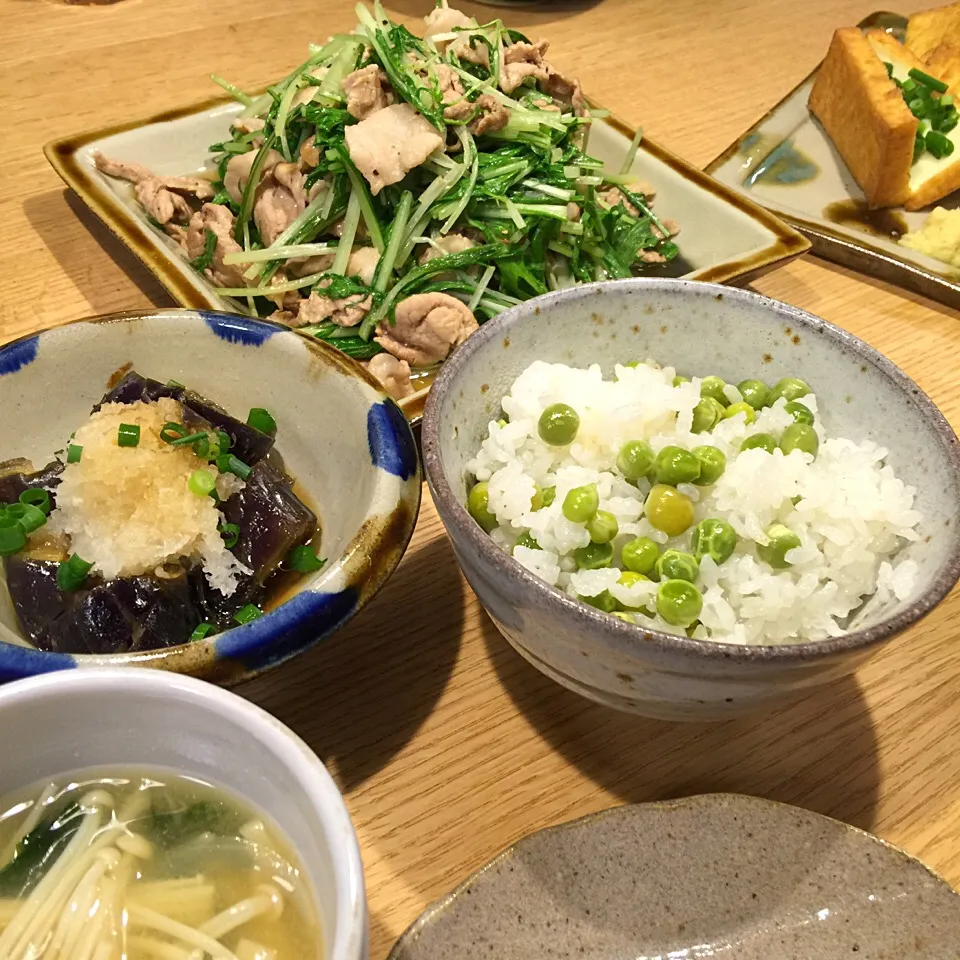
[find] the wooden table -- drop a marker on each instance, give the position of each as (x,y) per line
(446,744)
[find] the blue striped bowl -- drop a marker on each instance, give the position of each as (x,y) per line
(345,441)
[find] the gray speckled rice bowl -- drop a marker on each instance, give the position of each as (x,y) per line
(699,329)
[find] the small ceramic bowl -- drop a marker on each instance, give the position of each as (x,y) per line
(67,722)
(697,327)
(347,444)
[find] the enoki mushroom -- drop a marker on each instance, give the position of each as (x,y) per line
(88,907)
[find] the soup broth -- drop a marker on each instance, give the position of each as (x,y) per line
(131,865)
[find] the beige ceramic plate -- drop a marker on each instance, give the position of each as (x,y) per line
(787,163)
(724,237)
(714,876)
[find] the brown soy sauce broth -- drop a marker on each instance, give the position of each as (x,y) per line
(208,852)
(857,214)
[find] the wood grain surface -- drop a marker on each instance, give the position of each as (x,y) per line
(446,744)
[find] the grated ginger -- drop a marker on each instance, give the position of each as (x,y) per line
(129,510)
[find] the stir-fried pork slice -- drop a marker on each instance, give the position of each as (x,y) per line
(612,197)
(394,374)
(390,143)
(451,89)
(443,20)
(248,124)
(365,90)
(309,154)
(451,243)
(218,218)
(345,311)
(304,266)
(238,171)
(493,115)
(522,61)
(162,204)
(164,198)
(566,91)
(363,264)
(428,326)
(199,187)
(280,201)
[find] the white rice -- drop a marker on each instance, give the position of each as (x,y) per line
(853,518)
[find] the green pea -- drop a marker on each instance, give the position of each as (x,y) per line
(501,423)
(737,408)
(713,538)
(547,496)
(706,415)
(754,392)
(594,556)
(640,555)
(800,436)
(635,459)
(669,510)
(678,380)
(603,527)
(781,540)
(536,501)
(622,615)
(630,578)
(713,462)
(675,465)
(581,503)
(790,388)
(604,601)
(679,602)
(478,506)
(759,441)
(713,387)
(525,540)
(558,424)
(675,565)
(800,412)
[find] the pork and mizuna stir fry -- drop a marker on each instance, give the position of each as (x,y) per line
(394,191)
(163,520)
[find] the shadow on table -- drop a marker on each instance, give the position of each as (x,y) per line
(360,696)
(49,214)
(530,13)
(819,753)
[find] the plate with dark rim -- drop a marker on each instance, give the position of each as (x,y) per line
(709,876)
(787,163)
(725,237)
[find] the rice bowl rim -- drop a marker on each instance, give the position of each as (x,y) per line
(455,513)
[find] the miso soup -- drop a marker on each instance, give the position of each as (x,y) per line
(144,865)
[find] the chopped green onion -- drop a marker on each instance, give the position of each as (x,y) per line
(889,67)
(200,631)
(223,441)
(202,482)
(939,145)
(303,559)
(13,537)
(72,573)
(230,533)
(228,463)
(199,441)
(33,518)
(245,614)
(36,497)
(128,435)
(74,453)
(932,82)
(262,420)
(175,383)
(172,432)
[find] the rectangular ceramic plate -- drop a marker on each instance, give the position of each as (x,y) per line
(724,236)
(787,163)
